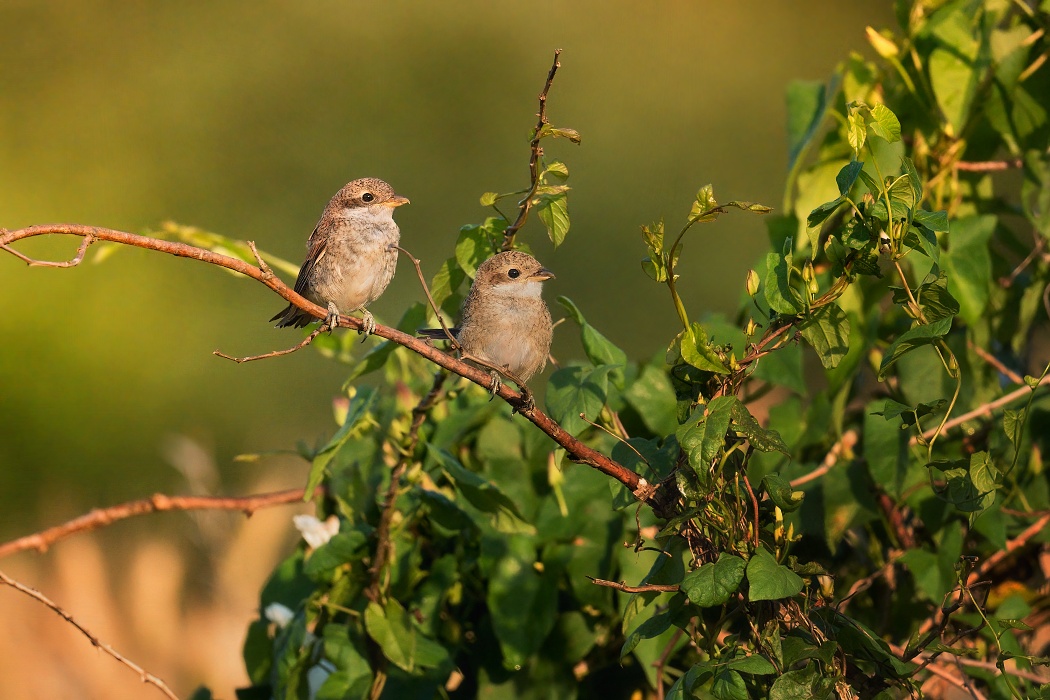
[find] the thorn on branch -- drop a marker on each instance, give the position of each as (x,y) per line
(267,272)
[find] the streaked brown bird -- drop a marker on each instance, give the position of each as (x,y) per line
(506,325)
(350,259)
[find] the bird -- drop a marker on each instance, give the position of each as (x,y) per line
(505,324)
(351,255)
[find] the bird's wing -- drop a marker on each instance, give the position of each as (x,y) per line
(318,244)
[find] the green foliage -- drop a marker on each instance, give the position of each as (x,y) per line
(817,512)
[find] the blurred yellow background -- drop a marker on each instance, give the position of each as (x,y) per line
(244,119)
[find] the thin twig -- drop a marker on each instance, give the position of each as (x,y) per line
(1011,546)
(576,449)
(276,353)
(985,409)
(989,166)
(995,362)
(844,444)
(662,661)
(95,641)
(534,159)
(426,290)
(408,448)
(33,262)
(157,503)
(647,588)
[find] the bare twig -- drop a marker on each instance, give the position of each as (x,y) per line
(989,166)
(33,262)
(426,290)
(157,503)
(844,444)
(95,641)
(995,362)
(534,160)
(276,353)
(577,450)
(647,588)
(984,410)
(1011,546)
(661,662)
(408,449)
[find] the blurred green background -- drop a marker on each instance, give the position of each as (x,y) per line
(244,118)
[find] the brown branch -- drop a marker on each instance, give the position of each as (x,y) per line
(984,410)
(383,544)
(989,166)
(995,362)
(577,450)
(101,517)
(1011,546)
(275,353)
(95,641)
(647,588)
(844,444)
(534,159)
(430,298)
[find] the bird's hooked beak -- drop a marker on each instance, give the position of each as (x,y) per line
(542,275)
(396,201)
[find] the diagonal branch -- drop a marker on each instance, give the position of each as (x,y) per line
(534,160)
(577,450)
(95,641)
(157,503)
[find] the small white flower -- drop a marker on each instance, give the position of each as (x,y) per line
(278,614)
(315,532)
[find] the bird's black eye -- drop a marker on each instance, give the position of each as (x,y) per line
(514,273)
(367,197)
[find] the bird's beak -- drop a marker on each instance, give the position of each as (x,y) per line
(396,201)
(542,275)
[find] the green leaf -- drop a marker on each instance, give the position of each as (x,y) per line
(339,550)
(522,600)
(553,210)
(827,330)
(489,198)
(969,265)
(933,220)
(1013,425)
(652,396)
(392,629)
(728,685)
(781,493)
(570,134)
(754,665)
(472,248)
(806,105)
(697,351)
(574,390)
(912,339)
(599,349)
(779,294)
(856,131)
(653,627)
(703,435)
(884,123)
(482,494)
(762,439)
(359,407)
(847,176)
(557,169)
(713,583)
(768,580)
(954,86)
(804,684)
(821,213)
(446,282)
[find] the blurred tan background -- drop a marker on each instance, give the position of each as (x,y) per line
(244,118)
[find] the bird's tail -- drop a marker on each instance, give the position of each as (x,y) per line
(293,316)
(436,333)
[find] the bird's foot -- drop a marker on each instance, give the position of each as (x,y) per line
(528,402)
(332,319)
(497,383)
(368,324)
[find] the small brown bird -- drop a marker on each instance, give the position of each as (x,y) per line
(350,259)
(506,325)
